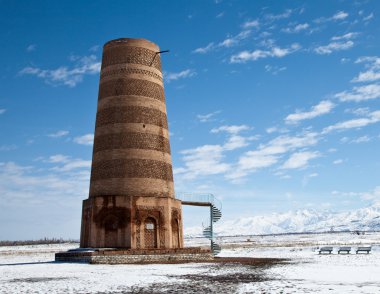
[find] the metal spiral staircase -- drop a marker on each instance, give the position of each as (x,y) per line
(199,199)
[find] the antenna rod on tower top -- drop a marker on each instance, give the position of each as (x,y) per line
(159,52)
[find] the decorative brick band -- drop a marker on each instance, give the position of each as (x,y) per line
(126,140)
(133,187)
(131,114)
(131,87)
(130,54)
(124,72)
(131,100)
(132,128)
(132,153)
(131,168)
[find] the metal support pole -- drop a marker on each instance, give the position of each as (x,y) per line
(211,228)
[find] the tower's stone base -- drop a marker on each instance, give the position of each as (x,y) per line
(131,222)
(130,256)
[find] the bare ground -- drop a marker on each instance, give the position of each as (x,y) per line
(225,275)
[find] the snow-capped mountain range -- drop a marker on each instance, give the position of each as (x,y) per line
(308,220)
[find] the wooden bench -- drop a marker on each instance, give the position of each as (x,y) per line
(344,249)
(326,249)
(363,249)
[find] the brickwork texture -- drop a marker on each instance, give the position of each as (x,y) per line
(131,201)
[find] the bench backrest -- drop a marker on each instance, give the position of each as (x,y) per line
(364,248)
(345,248)
(326,249)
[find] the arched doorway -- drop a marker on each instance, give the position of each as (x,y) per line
(111,225)
(175,233)
(150,233)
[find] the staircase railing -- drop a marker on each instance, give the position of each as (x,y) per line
(215,205)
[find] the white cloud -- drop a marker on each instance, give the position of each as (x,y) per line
(338,161)
(8,147)
(203,50)
(251,161)
(94,48)
(267,155)
(368,17)
(234,40)
(207,117)
(251,24)
(58,158)
(372,64)
(276,129)
(273,69)
(372,118)
(358,111)
(347,36)
(306,178)
(87,65)
(370,60)
(372,195)
(278,52)
(287,13)
(203,160)
(300,160)
(271,130)
(2,110)
(362,139)
(367,76)
(31,47)
(321,108)
(87,139)
(349,194)
(339,15)
(297,28)
(294,142)
(188,73)
(208,159)
(226,43)
(231,129)
(220,15)
(362,93)
(235,140)
(58,134)
(74,164)
(30,185)
(344,139)
(66,163)
(334,46)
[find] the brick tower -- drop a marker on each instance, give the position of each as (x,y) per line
(131,202)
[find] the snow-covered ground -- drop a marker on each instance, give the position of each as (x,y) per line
(31,269)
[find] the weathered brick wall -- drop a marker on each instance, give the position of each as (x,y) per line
(136,256)
(131,174)
(131,73)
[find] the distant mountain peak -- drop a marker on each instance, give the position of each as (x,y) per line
(298,221)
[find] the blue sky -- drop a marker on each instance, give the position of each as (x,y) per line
(272,105)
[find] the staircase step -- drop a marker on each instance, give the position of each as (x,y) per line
(215,248)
